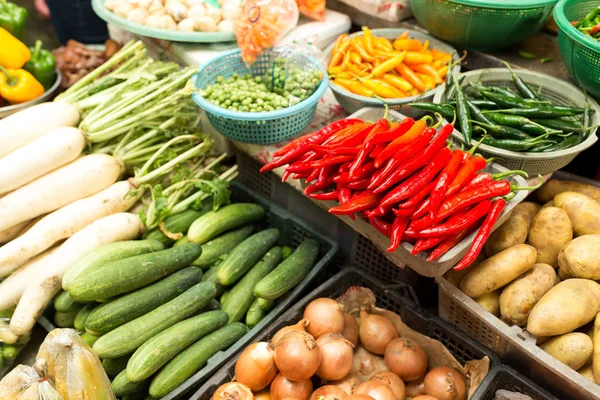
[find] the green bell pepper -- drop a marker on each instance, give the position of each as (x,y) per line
(42,65)
(13,18)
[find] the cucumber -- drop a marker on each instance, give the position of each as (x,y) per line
(143,395)
(287,251)
(213,223)
(114,366)
(184,240)
(10,351)
(65,320)
(290,272)
(212,306)
(82,316)
(224,297)
(255,313)
(241,296)
(123,386)
(157,351)
(127,338)
(108,253)
(194,358)
(245,255)
(132,273)
(215,248)
(265,304)
(89,339)
(126,308)
(176,223)
(211,276)
(63,302)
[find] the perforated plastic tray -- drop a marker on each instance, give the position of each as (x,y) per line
(503,377)
(459,344)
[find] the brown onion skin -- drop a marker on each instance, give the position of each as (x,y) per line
(337,354)
(445,384)
(329,392)
(416,387)
(324,316)
(233,390)
(375,389)
(350,331)
(425,397)
(347,383)
(359,397)
(375,332)
(297,356)
(406,359)
(393,381)
(282,387)
(255,371)
(300,326)
(264,395)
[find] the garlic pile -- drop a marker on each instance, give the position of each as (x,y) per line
(181,15)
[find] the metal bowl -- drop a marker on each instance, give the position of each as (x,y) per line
(8,110)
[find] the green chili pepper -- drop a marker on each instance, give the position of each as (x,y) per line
(13,18)
(464,114)
(444,110)
(42,65)
(477,115)
(504,101)
(541,148)
(522,87)
(504,132)
(522,123)
(512,144)
(482,104)
(543,112)
(569,142)
(561,125)
(587,117)
(495,89)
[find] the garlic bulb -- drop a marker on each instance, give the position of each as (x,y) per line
(111,4)
(138,15)
(225,26)
(123,9)
(214,13)
(176,10)
(191,3)
(231,11)
(197,11)
(205,24)
(167,22)
(186,25)
(153,21)
(155,7)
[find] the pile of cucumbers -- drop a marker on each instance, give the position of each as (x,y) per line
(10,346)
(155,310)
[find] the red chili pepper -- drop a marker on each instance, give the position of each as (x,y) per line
(413,133)
(352,138)
(287,158)
(363,172)
(313,175)
(311,155)
(486,177)
(595,29)
(414,201)
(333,195)
(473,196)
(455,225)
(418,225)
(483,234)
(394,133)
(381,126)
(382,226)
(327,160)
(465,173)
(377,150)
(325,175)
(366,201)
(449,243)
(446,176)
(426,244)
(344,194)
(285,176)
(335,151)
(422,210)
(398,228)
(403,212)
(358,185)
(300,176)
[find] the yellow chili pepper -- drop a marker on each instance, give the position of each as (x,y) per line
(398,81)
(443,70)
(425,46)
(368,39)
(354,87)
(404,35)
(383,44)
(334,70)
(407,44)
(429,70)
(388,65)
(382,89)
(339,51)
(358,70)
(358,46)
(18,86)
(429,82)
(436,64)
(13,53)
(355,57)
(347,59)
(408,74)
(440,55)
(413,57)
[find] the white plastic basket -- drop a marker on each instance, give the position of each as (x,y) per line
(551,88)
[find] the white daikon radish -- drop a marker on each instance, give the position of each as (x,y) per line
(37,158)
(12,288)
(20,128)
(9,234)
(63,223)
(85,176)
(114,228)
(6,336)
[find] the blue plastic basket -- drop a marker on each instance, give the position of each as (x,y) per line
(259,127)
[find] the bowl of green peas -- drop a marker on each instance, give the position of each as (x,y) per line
(272,100)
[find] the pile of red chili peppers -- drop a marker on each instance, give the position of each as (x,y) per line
(404,179)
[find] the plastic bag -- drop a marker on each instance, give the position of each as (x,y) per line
(388,10)
(314,9)
(73,367)
(25,383)
(261,24)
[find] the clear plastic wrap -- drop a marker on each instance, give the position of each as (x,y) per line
(25,383)
(261,24)
(314,9)
(73,367)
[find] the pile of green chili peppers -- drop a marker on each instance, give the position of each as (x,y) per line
(511,119)
(590,24)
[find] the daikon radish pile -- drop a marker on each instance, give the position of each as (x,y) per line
(9,234)
(114,228)
(45,154)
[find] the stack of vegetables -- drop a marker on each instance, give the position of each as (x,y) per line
(377,67)
(150,312)
(404,178)
(508,120)
(518,281)
(349,360)
(590,24)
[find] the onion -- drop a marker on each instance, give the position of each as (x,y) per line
(336,356)
(290,398)
(325,316)
(375,389)
(282,387)
(350,331)
(297,356)
(299,327)
(425,397)
(359,397)
(406,359)
(415,388)
(264,395)
(375,331)
(233,391)
(367,364)
(393,381)
(446,384)
(347,383)
(329,392)
(256,366)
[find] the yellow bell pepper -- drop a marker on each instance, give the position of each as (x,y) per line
(13,53)
(18,86)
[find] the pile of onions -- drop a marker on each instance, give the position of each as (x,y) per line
(325,316)
(282,387)
(375,331)
(337,354)
(406,359)
(256,366)
(233,391)
(297,355)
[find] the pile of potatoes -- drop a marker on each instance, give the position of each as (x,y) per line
(541,273)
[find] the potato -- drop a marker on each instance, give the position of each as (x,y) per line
(572,349)
(548,204)
(554,187)
(519,296)
(514,230)
(583,211)
(455,277)
(498,270)
(562,275)
(596,356)
(587,372)
(565,307)
(580,258)
(550,231)
(490,301)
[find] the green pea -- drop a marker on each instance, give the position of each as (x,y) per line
(219,79)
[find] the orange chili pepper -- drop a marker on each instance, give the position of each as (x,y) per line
(338,53)
(440,55)
(334,70)
(355,57)
(410,76)
(368,40)
(347,59)
(358,46)
(356,69)
(430,71)
(425,46)
(383,82)
(436,64)
(407,44)
(404,35)
(443,71)
(398,82)
(387,54)
(388,65)
(413,57)
(354,87)
(412,134)
(383,44)
(429,82)
(382,89)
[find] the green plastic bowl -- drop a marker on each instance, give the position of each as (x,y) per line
(482,24)
(580,53)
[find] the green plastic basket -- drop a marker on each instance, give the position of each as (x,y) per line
(580,53)
(482,24)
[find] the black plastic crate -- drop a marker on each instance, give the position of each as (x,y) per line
(389,297)
(503,377)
